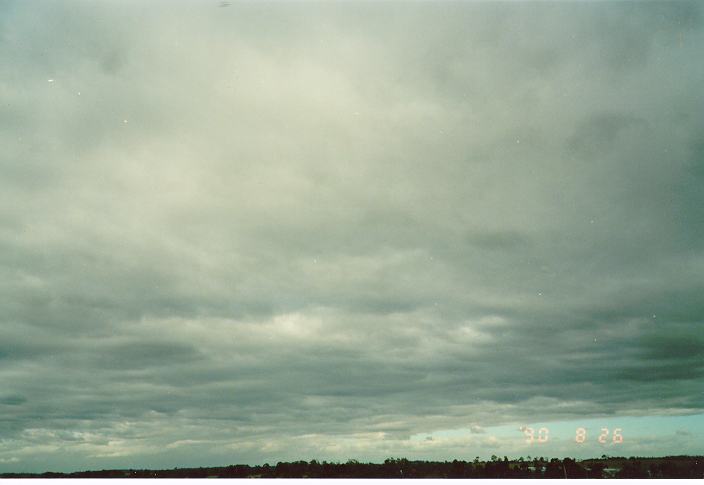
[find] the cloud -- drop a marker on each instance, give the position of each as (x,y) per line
(325,229)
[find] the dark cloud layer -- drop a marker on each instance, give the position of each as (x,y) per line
(296,230)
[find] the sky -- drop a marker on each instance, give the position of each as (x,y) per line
(252,232)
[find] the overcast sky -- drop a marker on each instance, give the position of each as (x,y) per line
(282,231)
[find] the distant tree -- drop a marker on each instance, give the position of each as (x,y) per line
(597,470)
(391,468)
(632,469)
(554,469)
(572,469)
(457,470)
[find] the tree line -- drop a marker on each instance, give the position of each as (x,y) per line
(606,467)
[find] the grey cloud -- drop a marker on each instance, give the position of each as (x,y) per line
(314,231)
(15,400)
(599,134)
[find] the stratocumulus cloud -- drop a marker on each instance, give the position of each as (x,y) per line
(303,230)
